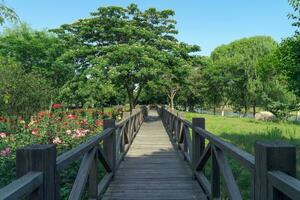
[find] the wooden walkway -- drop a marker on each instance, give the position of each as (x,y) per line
(152,169)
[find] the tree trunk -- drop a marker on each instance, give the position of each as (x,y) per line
(246,110)
(171,97)
(172,102)
(214,109)
(254,109)
(137,96)
(130,98)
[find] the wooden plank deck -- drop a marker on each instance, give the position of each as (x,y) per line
(152,169)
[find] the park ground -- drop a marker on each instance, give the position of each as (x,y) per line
(244,132)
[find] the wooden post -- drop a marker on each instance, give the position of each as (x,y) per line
(177,124)
(271,156)
(145,111)
(215,176)
(198,143)
(93,184)
(39,158)
(109,143)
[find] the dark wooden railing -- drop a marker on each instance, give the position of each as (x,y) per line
(273,168)
(38,167)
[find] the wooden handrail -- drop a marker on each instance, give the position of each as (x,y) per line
(269,156)
(109,147)
(70,156)
(286,184)
(22,186)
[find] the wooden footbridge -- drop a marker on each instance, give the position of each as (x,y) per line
(156,155)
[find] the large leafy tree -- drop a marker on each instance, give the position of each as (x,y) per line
(36,51)
(287,59)
(238,61)
(130,46)
(90,89)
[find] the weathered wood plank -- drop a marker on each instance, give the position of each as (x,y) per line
(152,169)
(83,172)
(286,184)
(22,186)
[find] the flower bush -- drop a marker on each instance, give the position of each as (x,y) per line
(63,127)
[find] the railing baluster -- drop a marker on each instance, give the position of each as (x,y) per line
(93,184)
(109,143)
(198,143)
(215,176)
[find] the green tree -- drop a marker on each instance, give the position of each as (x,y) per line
(278,89)
(7,14)
(238,61)
(21,94)
(288,62)
(278,99)
(89,89)
(36,51)
(130,46)
(296,15)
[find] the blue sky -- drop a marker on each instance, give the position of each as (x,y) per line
(208,23)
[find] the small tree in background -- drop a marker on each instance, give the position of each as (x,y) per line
(22,94)
(7,14)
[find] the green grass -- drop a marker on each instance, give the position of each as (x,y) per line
(244,132)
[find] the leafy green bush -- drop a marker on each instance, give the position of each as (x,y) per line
(63,127)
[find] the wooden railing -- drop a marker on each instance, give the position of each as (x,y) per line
(38,167)
(273,168)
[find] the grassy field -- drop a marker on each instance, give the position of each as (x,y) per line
(244,132)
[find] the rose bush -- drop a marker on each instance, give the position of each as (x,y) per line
(65,128)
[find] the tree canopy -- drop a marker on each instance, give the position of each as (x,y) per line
(7,14)
(130,46)
(122,55)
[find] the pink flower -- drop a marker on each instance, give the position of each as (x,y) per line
(56,105)
(57,140)
(99,123)
(3,135)
(35,131)
(80,133)
(5,152)
(71,116)
(68,132)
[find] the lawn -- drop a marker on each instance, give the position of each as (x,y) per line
(244,132)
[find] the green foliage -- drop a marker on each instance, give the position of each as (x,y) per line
(278,99)
(7,14)
(90,89)
(65,128)
(37,52)
(234,71)
(288,62)
(296,15)
(131,47)
(21,94)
